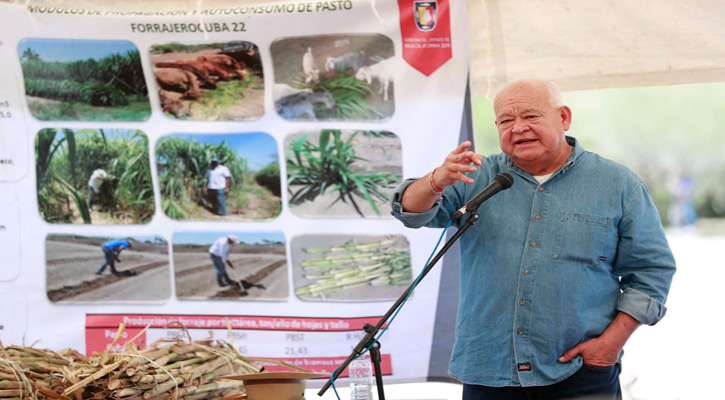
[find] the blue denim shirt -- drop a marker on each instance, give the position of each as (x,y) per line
(548,266)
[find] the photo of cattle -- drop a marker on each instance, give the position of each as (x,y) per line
(350,268)
(84,80)
(107,269)
(93,176)
(334,77)
(219,177)
(342,173)
(230,265)
(209,82)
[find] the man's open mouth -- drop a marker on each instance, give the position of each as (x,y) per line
(525,141)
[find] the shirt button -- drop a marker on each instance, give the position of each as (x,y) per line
(538,216)
(533,244)
(520,332)
(522,302)
(541,188)
(526,272)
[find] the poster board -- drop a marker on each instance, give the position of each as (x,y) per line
(151,98)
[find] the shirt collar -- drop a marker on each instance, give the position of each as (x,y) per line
(574,156)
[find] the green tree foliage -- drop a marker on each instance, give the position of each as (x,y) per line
(182,165)
(268,177)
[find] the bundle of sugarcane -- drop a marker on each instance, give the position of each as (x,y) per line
(191,370)
(352,265)
(164,370)
(26,371)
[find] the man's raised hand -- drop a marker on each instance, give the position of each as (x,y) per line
(455,164)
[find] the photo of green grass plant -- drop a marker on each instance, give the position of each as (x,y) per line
(183,161)
(329,78)
(350,268)
(84,80)
(66,160)
(326,170)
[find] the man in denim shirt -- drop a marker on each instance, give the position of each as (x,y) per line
(559,270)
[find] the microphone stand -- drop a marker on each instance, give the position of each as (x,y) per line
(370,330)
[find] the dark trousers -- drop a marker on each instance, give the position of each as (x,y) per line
(110,256)
(589,383)
(216,197)
(221,272)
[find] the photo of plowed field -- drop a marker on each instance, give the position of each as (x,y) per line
(259,273)
(72,262)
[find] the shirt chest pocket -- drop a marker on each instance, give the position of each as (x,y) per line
(580,237)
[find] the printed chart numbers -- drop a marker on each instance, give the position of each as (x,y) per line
(296,351)
(5,112)
(316,344)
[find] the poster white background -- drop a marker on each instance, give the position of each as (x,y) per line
(426,119)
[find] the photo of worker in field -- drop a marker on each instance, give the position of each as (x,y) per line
(76,269)
(350,268)
(342,173)
(84,80)
(93,176)
(230,265)
(334,77)
(219,177)
(112,253)
(209,82)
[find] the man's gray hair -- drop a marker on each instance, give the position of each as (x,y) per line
(554,93)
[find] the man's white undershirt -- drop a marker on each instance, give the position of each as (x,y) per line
(542,178)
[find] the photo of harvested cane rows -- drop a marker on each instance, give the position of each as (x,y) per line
(342,173)
(259,272)
(72,262)
(350,268)
(210,82)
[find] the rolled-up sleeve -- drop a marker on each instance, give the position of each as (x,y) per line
(411,220)
(644,259)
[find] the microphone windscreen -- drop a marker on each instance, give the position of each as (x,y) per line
(505,180)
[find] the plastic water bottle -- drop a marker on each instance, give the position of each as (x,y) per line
(361,379)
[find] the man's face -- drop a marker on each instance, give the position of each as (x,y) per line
(531,130)
(214,164)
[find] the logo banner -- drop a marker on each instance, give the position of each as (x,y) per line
(426,33)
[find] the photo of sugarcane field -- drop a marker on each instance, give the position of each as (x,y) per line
(342,173)
(107,269)
(84,80)
(93,176)
(350,268)
(219,177)
(209,82)
(334,77)
(230,265)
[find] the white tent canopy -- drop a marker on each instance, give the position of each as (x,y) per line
(595,44)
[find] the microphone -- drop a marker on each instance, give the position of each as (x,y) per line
(500,182)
